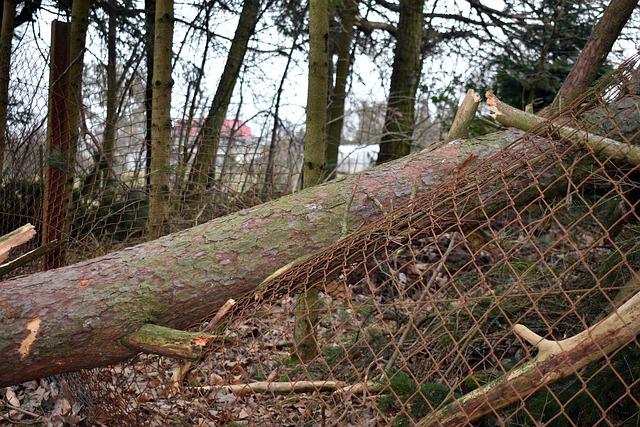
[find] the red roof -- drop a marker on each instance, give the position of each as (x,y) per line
(236,128)
(230,127)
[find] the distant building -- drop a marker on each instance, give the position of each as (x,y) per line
(230,129)
(354,158)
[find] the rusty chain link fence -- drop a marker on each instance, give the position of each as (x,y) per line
(508,295)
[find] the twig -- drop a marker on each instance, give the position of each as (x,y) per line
(276,387)
(28,257)
(24,411)
(222,312)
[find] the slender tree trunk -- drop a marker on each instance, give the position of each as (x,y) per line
(150,24)
(405,77)
(109,137)
(313,169)
(594,53)
(55,172)
(209,138)
(161,118)
(78,36)
(6,37)
(186,148)
(343,65)
(267,188)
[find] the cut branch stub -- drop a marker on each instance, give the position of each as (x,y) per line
(164,341)
(555,360)
(464,116)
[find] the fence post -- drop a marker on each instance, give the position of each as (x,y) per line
(58,143)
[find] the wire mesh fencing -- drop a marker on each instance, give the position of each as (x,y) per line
(508,295)
(98,200)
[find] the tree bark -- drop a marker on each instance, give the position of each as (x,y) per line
(336,108)
(84,310)
(405,77)
(593,55)
(55,172)
(150,24)
(209,138)
(313,168)
(109,136)
(161,118)
(6,37)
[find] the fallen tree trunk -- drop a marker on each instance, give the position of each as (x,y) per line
(80,316)
(76,317)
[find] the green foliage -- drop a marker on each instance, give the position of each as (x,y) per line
(533,67)
(403,396)
(113,213)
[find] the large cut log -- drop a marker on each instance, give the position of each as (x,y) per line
(77,316)
(80,316)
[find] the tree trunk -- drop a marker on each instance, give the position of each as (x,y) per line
(405,77)
(209,138)
(109,137)
(313,167)
(161,118)
(593,55)
(336,109)
(84,310)
(150,25)
(55,174)
(6,37)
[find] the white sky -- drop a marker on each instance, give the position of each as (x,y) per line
(260,88)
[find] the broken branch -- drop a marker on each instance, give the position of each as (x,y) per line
(164,341)
(604,147)
(555,360)
(277,387)
(16,238)
(28,257)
